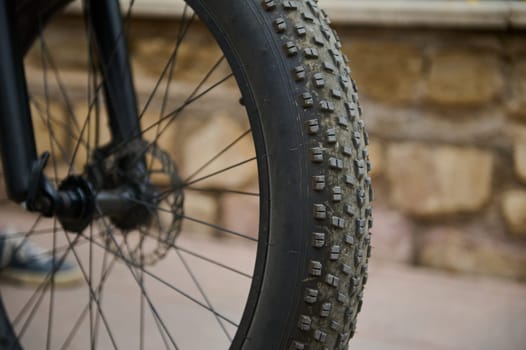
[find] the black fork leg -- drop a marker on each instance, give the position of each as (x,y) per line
(16,131)
(17,143)
(105,21)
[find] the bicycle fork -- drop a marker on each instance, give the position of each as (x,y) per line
(74,201)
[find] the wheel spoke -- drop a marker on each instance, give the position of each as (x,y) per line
(169,66)
(204,258)
(92,293)
(174,113)
(47,57)
(105,272)
(79,141)
(60,83)
(220,153)
(100,289)
(203,294)
(169,118)
(90,284)
(182,216)
(190,99)
(130,266)
(215,173)
(141,304)
(199,287)
(162,333)
(42,288)
(197,255)
(51,296)
(173,58)
(166,193)
(50,127)
(222,191)
(219,228)
(39,293)
(162,281)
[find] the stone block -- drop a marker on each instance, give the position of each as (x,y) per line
(200,207)
(376,155)
(454,250)
(514,211)
(515,45)
(517,103)
(392,236)
(150,55)
(85,116)
(232,169)
(66,44)
(240,212)
(162,133)
(196,54)
(464,78)
(386,71)
(519,158)
(428,181)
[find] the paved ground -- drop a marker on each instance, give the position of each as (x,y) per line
(405,308)
(418,309)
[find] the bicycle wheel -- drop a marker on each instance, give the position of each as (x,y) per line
(295,104)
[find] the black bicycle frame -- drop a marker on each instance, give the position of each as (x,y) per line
(17,140)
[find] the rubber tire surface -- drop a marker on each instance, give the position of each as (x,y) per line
(304,109)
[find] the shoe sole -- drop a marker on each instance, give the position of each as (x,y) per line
(62,279)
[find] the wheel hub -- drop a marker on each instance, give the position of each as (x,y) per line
(118,186)
(156,208)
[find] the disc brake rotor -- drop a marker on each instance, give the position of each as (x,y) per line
(146,245)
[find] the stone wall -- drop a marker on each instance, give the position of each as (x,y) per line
(446,111)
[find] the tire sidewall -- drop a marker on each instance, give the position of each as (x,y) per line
(256,57)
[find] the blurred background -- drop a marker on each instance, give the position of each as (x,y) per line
(443,87)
